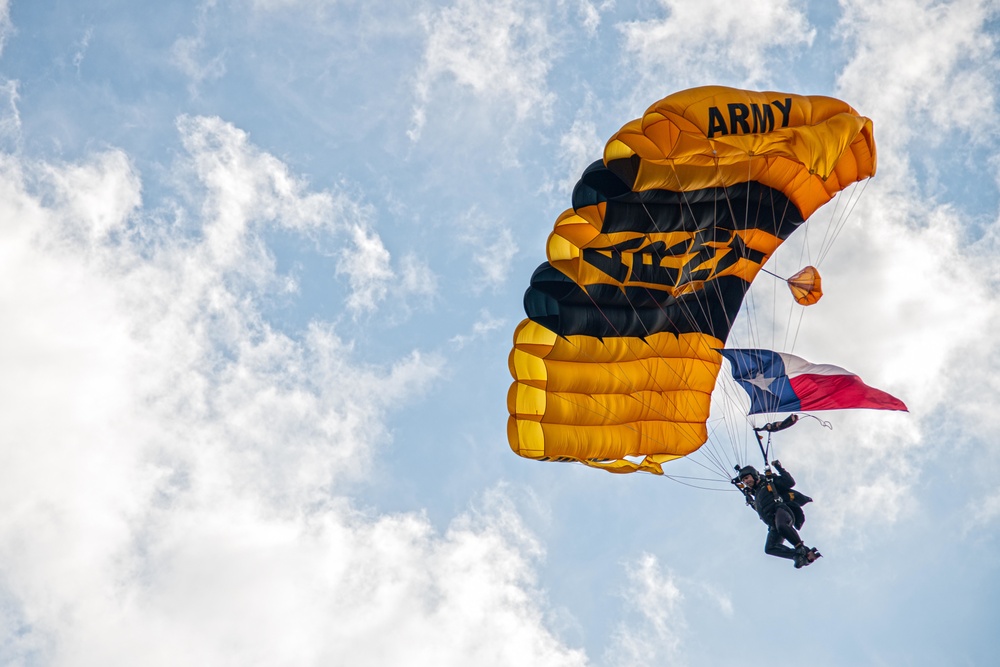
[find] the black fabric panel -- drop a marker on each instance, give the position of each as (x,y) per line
(740,206)
(604,310)
(711,215)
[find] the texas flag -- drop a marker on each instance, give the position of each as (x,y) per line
(779,382)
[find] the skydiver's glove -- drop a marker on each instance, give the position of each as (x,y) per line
(777,466)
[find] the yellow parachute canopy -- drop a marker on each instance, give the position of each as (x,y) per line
(615,365)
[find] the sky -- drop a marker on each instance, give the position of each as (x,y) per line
(261,264)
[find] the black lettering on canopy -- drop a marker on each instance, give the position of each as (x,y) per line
(703,232)
(609,259)
(716,123)
(785,109)
(646,266)
(748,118)
(632,262)
(763,117)
(738,114)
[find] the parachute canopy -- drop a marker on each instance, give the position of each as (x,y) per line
(806,286)
(615,365)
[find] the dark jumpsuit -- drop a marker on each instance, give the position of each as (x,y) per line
(781,509)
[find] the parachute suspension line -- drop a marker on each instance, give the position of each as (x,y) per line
(690,320)
(849,210)
(729,391)
(751,303)
(688,315)
(732,396)
(721,469)
(805,258)
(686,312)
(773,274)
(836,218)
(677,375)
(839,215)
(751,306)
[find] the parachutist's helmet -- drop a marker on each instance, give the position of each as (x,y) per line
(748,470)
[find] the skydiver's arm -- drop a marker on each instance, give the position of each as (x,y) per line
(786,478)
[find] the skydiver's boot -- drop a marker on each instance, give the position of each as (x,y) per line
(804,555)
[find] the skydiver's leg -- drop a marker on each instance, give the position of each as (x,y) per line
(784,523)
(774,546)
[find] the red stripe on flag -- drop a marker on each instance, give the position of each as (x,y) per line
(837,392)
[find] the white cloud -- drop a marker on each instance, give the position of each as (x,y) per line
(187,53)
(578,148)
(250,187)
(908,299)
(500,51)
(493,248)
(712,41)
(982,513)
(98,197)
(170,464)
(590,16)
(923,67)
(654,636)
(10,115)
(6,25)
(481,328)
(417,276)
(367,265)
(495,263)
(82,46)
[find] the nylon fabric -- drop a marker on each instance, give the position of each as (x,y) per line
(617,360)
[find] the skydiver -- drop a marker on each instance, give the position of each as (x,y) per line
(781,509)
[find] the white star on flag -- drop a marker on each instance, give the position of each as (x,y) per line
(762,381)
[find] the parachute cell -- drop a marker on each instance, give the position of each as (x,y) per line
(615,365)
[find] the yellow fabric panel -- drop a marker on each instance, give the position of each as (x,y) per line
(651,463)
(532,337)
(604,443)
(583,399)
(595,409)
(580,227)
(637,375)
(825,146)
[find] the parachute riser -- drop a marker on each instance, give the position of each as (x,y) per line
(765,450)
(738,483)
(773,427)
(760,443)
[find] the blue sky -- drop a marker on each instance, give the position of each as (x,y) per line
(262,263)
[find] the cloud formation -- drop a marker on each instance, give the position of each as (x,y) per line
(498,51)
(714,41)
(172,463)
